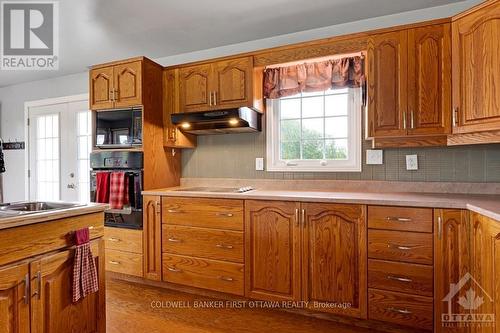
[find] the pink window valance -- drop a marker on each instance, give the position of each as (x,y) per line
(285,81)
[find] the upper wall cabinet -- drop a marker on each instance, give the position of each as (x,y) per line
(116,85)
(219,85)
(409,89)
(476,69)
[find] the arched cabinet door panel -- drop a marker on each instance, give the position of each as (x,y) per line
(128,84)
(195,88)
(101,88)
(234,82)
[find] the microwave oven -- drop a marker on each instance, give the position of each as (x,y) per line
(118,128)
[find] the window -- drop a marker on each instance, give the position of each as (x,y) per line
(317,132)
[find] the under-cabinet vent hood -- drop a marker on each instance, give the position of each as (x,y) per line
(238,120)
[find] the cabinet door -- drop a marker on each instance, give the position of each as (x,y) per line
(52,309)
(234,82)
(195,88)
(152,237)
(485,272)
(476,69)
(14,299)
(272,253)
(335,258)
(429,80)
(128,84)
(452,262)
(387,84)
(101,86)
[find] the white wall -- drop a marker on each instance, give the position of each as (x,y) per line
(12,98)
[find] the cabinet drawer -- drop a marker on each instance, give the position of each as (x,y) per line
(199,212)
(121,239)
(403,309)
(400,218)
(396,276)
(401,246)
(124,262)
(204,273)
(201,242)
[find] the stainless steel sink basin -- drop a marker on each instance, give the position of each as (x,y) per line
(21,208)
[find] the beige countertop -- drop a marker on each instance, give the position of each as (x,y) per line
(20,220)
(488,205)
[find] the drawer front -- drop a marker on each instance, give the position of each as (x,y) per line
(200,212)
(403,277)
(124,262)
(403,309)
(121,239)
(400,218)
(204,243)
(400,246)
(204,273)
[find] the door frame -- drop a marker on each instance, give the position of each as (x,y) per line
(38,103)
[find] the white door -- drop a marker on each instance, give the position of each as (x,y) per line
(59,148)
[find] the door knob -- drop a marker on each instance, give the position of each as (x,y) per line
(71,186)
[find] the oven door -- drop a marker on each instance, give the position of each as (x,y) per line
(131,215)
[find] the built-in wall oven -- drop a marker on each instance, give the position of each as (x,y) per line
(132,164)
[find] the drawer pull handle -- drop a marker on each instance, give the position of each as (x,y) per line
(226,278)
(112,239)
(173,269)
(400,247)
(91,227)
(174,211)
(224,214)
(397,219)
(222,246)
(112,262)
(174,240)
(398,278)
(400,311)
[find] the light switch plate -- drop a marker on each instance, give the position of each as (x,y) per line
(259,164)
(411,162)
(374,156)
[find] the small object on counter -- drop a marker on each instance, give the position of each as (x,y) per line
(85,280)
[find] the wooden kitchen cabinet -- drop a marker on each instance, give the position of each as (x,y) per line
(409,86)
(272,253)
(15,298)
(152,237)
(219,85)
(335,259)
(452,261)
(117,84)
(476,70)
(52,309)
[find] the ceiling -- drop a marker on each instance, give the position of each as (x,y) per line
(95,31)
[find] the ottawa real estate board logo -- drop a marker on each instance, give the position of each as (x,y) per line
(29,35)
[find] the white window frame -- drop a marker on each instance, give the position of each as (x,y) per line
(352,164)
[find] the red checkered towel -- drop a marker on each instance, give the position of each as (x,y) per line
(118,190)
(84,271)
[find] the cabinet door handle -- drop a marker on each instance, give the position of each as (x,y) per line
(26,297)
(116,95)
(222,246)
(226,278)
(38,278)
(440,227)
(404,120)
(304,222)
(455,116)
(174,240)
(173,269)
(398,219)
(399,278)
(112,95)
(210,99)
(174,211)
(112,239)
(412,124)
(113,262)
(297,220)
(224,214)
(215,97)
(401,311)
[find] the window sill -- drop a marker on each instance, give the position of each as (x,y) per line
(312,169)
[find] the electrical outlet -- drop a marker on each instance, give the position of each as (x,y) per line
(411,162)
(374,156)
(259,164)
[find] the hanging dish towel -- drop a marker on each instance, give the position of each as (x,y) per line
(102,187)
(84,271)
(118,190)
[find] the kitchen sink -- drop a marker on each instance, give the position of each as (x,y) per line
(21,208)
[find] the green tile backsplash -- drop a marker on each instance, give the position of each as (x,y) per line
(233,156)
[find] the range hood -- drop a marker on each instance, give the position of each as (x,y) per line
(238,120)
